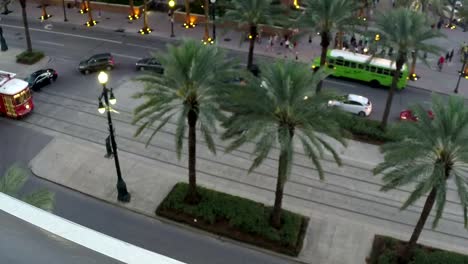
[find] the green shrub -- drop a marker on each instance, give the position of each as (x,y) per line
(384,251)
(242,214)
(365,129)
(29,57)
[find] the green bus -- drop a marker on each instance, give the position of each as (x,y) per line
(357,66)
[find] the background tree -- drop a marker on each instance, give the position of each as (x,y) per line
(26,26)
(327,16)
(185,92)
(278,109)
(13,181)
(252,13)
(404,31)
(432,152)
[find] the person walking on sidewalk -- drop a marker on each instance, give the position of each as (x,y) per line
(451,55)
(440,63)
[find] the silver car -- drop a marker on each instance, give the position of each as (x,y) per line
(353,103)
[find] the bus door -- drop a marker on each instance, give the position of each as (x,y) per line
(9,107)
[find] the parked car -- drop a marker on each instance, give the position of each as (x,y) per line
(408,115)
(353,103)
(41,78)
(103,61)
(149,64)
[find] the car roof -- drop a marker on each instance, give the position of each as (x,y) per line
(101,55)
(358,98)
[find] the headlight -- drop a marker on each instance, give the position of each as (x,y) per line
(330,103)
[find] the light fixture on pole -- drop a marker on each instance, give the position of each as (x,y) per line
(213,14)
(463,72)
(122,194)
(171,4)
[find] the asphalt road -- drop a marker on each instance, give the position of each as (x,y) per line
(67,45)
(24,243)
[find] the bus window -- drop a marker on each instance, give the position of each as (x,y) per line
(386,72)
(373,69)
(379,71)
(360,66)
(331,61)
(346,63)
(367,67)
(353,65)
(339,62)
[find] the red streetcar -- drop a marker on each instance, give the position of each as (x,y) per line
(15,96)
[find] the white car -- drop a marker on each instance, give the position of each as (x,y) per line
(353,103)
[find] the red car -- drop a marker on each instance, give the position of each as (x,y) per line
(409,116)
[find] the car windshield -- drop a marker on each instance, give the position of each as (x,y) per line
(31,78)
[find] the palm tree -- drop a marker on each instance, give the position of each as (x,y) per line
(404,31)
(26,26)
(251,13)
(14,179)
(326,16)
(431,152)
(280,108)
(185,92)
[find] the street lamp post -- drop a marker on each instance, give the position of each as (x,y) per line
(171,6)
(123,195)
(462,71)
(213,14)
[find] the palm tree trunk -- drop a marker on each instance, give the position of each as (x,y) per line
(413,62)
(26,26)
(452,13)
(405,256)
(145,19)
(132,8)
(396,77)
(187,12)
(192,194)
(207,18)
(281,180)
(90,14)
(325,37)
(253,34)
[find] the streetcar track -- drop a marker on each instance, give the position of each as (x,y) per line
(255,186)
(308,185)
(222,147)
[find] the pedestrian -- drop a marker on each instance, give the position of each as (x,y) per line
(440,62)
(287,43)
(439,24)
(451,55)
(393,3)
(297,55)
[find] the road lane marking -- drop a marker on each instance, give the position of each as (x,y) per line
(65,34)
(341,83)
(48,27)
(125,56)
(141,46)
(51,43)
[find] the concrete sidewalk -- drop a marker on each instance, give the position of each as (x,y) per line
(431,78)
(8,63)
(81,166)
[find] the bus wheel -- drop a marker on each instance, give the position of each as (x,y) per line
(374,83)
(362,114)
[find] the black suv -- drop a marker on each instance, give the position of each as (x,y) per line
(97,62)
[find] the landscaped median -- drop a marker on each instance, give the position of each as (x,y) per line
(29,58)
(237,218)
(385,250)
